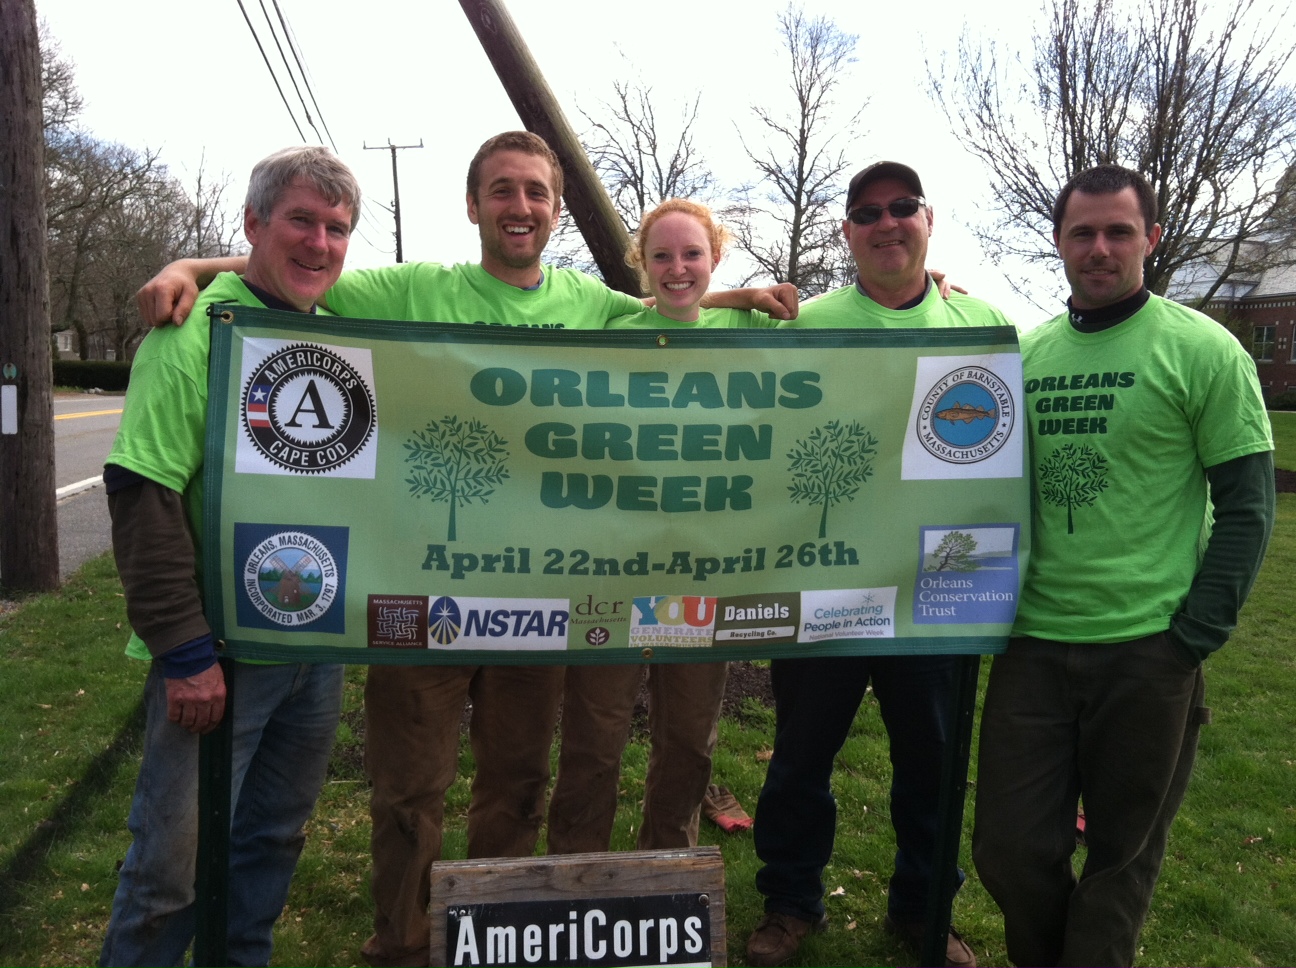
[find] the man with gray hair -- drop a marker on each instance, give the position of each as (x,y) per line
(302,205)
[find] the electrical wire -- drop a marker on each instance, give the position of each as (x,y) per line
(289,71)
(273,76)
(290,36)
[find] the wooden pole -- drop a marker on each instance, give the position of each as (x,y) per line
(28,512)
(585,197)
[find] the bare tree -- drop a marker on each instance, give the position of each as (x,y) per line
(640,162)
(61,101)
(115,216)
(787,220)
(1200,109)
(88,185)
(28,517)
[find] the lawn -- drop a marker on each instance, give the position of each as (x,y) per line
(69,723)
(1284,431)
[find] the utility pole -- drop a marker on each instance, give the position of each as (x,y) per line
(585,196)
(400,253)
(28,512)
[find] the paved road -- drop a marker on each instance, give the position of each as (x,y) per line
(84,427)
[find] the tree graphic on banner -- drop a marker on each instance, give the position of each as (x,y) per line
(1072,477)
(830,465)
(456,462)
(954,553)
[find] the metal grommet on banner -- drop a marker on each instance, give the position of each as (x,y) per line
(663,339)
(226,316)
(647,653)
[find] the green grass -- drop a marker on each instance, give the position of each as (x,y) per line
(1284,432)
(69,731)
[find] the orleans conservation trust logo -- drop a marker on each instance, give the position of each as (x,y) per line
(291,577)
(307,409)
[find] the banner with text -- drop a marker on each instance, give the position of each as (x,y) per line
(384,492)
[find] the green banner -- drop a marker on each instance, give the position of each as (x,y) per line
(384,492)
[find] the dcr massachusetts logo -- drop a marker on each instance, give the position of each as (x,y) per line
(307,409)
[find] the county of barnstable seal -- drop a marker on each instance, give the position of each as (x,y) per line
(307,409)
(963,418)
(966,416)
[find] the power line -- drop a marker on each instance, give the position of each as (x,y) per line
(289,71)
(273,77)
(302,70)
(290,36)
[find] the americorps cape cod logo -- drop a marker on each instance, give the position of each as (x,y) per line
(291,577)
(963,421)
(306,408)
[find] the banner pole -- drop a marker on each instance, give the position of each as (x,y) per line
(215,758)
(940,899)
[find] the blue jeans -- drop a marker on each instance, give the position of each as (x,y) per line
(815,702)
(285,721)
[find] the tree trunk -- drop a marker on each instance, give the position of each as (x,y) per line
(28,517)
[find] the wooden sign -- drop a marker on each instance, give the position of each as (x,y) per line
(651,907)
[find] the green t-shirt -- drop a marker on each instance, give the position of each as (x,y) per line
(164,419)
(466,293)
(1123,423)
(647,318)
(848,308)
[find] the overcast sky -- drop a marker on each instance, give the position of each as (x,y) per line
(187,78)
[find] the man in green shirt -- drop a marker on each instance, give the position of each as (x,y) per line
(1154,499)
(887,225)
(302,204)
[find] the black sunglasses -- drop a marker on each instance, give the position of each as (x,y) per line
(900,208)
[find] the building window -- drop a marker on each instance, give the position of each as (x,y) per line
(1262,344)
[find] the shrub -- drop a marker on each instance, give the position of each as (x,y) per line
(1282,401)
(92,374)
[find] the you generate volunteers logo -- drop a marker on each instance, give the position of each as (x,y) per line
(966,416)
(307,410)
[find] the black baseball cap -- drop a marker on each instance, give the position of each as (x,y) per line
(879,170)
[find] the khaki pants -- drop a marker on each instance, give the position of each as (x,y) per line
(412,716)
(598,703)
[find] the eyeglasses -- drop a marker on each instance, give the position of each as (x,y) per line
(900,208)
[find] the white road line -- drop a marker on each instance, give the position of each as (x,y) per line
(78,487)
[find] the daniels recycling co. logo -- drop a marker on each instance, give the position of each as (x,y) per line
(966,416)
(308,410)
(291,577)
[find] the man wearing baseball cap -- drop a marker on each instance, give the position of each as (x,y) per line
(887,225)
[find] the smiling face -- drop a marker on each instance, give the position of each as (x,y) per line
(515,208)
(297,253)
(678,261)
(891,253)
(1103,240)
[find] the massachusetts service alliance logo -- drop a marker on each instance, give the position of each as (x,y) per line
(307,409)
